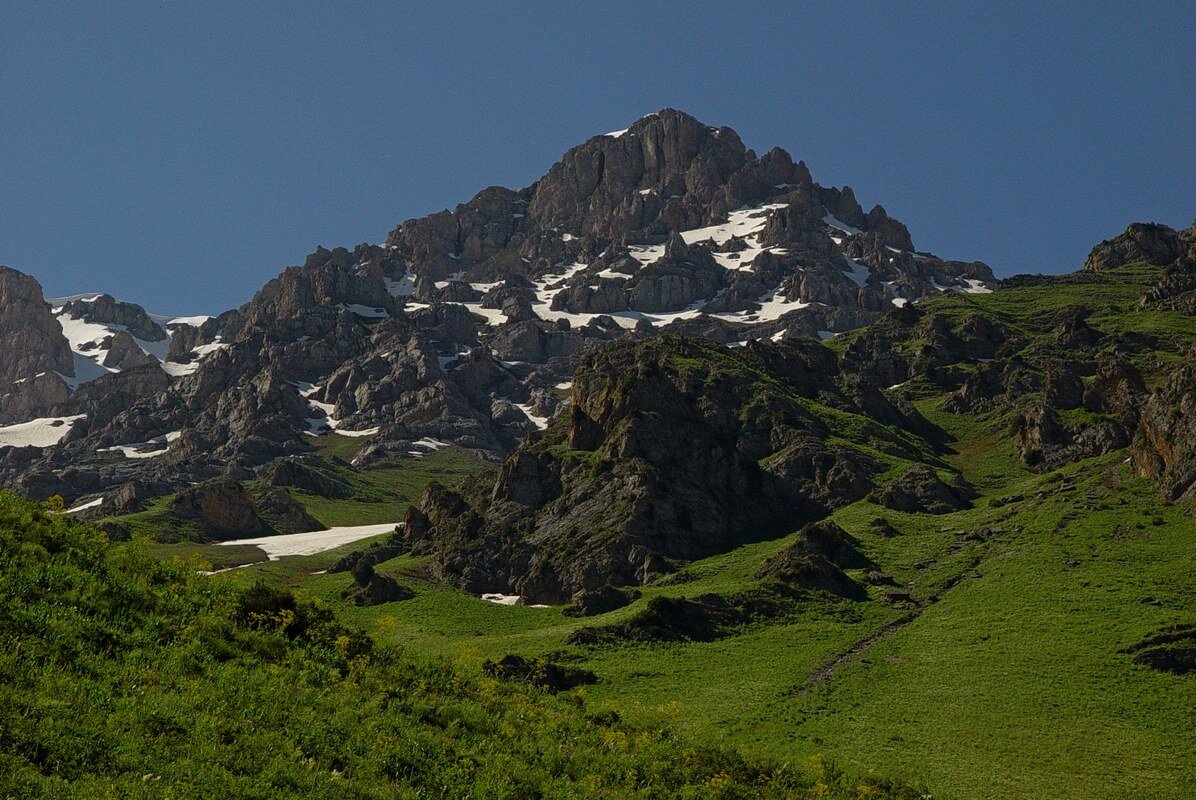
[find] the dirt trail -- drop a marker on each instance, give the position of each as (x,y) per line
(824,674)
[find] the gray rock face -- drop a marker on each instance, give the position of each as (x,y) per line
(690,454)
(32,349)
(124,352)
(107,310)
(1176,287)
(222,506)
(1165,446)
(283,513)
(445,330)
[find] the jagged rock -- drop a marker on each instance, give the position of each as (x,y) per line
(33,345)
(32,397)
(367,338)
(678,462)
(222,506)
(1117,388)
(124,352)
(1064,387)
(920,490)
(1046,440)
(811,571)
(379,589)
(830,541)
(308,473)
(129,499)
(817,560)
(1141,241)
(1164,448)
(1074,333)
(281,511)
(107,310)
(1176,287)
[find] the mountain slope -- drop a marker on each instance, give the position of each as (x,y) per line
(460,326)
(1035,640)
(123,676)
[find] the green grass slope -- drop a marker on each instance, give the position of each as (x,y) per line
(125,676)
(999,675)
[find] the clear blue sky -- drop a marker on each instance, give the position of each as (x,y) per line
(179,155)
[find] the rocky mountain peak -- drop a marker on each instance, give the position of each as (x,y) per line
(105,309)
(1141,241)
(30,337)
(458,328)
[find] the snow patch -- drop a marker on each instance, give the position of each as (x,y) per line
(306,544)
(43,432)
(503,599)
(540,422)
(191,322)
(403,287)
(160,445)
(976,287)
(840,225)
(859,273)
(365,311)
(85,506)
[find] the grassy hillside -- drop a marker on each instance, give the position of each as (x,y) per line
(124,676)
(988,664)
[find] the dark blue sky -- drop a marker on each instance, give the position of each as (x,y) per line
(180,157)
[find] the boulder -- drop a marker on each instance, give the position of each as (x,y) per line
(920,490)
(223,508)
(283,513)
(591,602)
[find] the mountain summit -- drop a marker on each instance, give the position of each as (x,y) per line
(460,326)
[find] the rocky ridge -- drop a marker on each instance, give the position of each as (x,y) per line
(672,450)
(462,325)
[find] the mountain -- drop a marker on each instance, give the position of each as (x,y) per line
(674,449)
(674,433)
(462,325)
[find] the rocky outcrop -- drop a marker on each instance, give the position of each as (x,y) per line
(1164,449)
(1046,439)
(33,349)
(107,310)
(1170,649)
(592,602)
(1141,241)
(379,589)
(675,449)
(222,507)
(816,561)
(373,555)
(538,672)
(279,510)
(704,618)
(307,473)
(921,490)
(1176,288)
(123,352)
